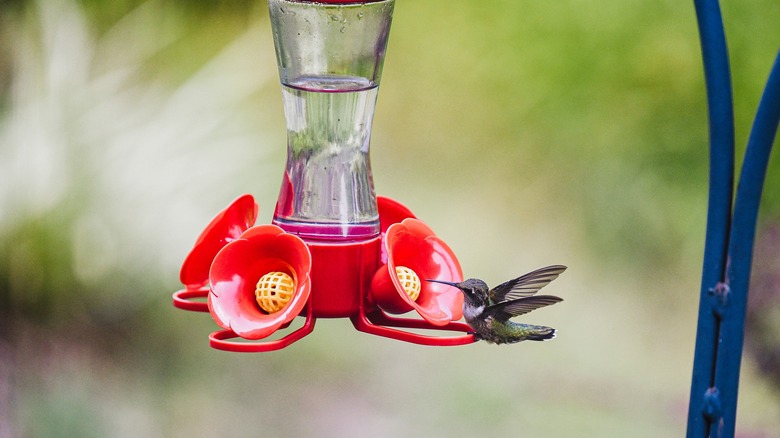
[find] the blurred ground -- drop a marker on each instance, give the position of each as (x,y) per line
(525,133)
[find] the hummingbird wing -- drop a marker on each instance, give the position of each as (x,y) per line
(508,309)
(526,285)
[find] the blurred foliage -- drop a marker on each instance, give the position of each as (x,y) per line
(762,331)
(524,132)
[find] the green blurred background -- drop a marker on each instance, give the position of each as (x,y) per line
(525,133)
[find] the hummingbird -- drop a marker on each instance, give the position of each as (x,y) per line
(488,311)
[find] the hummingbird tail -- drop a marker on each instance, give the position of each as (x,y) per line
(542,333)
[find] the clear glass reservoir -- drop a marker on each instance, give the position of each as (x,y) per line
(330,58)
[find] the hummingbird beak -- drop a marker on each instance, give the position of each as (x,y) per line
(449,283)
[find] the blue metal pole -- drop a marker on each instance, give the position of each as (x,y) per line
(741,240)
(702,410)
(730,235)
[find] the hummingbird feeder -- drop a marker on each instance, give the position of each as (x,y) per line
(334,249)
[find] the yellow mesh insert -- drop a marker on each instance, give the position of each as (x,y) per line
(409,281)
(274,291)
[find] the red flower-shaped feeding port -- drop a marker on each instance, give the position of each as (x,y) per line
(238,274)
(226,226)
(390,212)
(416,254)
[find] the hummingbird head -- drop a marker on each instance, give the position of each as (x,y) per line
(474,290)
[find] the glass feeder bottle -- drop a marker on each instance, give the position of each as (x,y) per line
(330,57)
